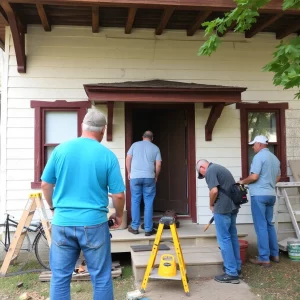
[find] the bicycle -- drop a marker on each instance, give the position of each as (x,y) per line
(39,245)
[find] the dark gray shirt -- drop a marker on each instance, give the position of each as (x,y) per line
(218,176)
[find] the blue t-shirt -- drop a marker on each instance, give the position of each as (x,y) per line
(83,171)
(144,155)
(267,166)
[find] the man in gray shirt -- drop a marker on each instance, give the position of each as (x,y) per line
(143,164)
(264,174)
(220,181)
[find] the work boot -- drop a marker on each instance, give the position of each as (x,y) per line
(152,232)
(274,258)
(265,264)
(133,231)
(225,278)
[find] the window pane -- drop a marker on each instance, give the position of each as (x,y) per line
(60,126)
(49,151)
(262,123)
(251,153)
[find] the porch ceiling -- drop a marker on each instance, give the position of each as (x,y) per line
(129,14)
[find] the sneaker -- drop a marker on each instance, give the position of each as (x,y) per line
(133,231)
(225,278)
(152,232)
(239,272)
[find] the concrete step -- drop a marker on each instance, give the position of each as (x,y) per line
(189,235)
(200,261)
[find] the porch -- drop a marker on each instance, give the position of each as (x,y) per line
(200,250)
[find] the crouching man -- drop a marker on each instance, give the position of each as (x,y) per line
(220,181)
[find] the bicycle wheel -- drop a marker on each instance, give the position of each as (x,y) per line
(25,248)
(41,249)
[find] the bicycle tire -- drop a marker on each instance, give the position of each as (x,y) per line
(41,250)
(25,248)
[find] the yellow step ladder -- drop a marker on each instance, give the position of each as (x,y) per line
(154,272)
(34,203)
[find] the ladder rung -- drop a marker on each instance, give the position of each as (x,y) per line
(286,230)
(296,212)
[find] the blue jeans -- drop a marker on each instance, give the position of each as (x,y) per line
(145,187)
(67,241)
(228,242)
(262,213)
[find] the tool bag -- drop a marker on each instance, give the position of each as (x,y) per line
(238,194)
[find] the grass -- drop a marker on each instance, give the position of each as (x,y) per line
(80,290)
(280,282)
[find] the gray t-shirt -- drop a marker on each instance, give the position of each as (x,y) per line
(144,155)
(218,176)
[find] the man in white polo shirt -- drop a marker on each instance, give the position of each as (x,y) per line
(264,174)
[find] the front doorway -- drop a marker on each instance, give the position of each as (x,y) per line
(170,125)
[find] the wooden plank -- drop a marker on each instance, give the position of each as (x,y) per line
(217,5)
(95,19)
(43,16)
(164,20)
(197,23)
(130,19)
(291,28)
(262,25)
(18,35)
(46,276)
(295,168)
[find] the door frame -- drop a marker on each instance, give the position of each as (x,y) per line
(191,145)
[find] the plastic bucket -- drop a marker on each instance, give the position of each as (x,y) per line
(294,250)
(243,250)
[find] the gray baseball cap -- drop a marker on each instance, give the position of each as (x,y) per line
(95,119)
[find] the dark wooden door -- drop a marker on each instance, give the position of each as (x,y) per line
(169,128)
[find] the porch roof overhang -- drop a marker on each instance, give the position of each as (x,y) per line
(162,91)
(160,15)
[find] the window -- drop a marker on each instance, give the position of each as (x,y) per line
(266,119)
(50,119)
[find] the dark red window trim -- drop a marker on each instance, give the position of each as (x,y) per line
(279,109)
(40,107)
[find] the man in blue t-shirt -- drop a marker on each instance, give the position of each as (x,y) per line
(75,183)
(264,174)
(143,164)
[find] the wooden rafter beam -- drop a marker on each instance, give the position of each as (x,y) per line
(197,23)
(43,16)
(4,16)
(215,5)
(95,19)
(213,117)
(261,26)
(110,117)
(293,27)
(164,20)
(18,35)
(130,19)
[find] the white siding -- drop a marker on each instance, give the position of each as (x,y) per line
(61,61)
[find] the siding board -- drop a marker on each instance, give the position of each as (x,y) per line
(61,61)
